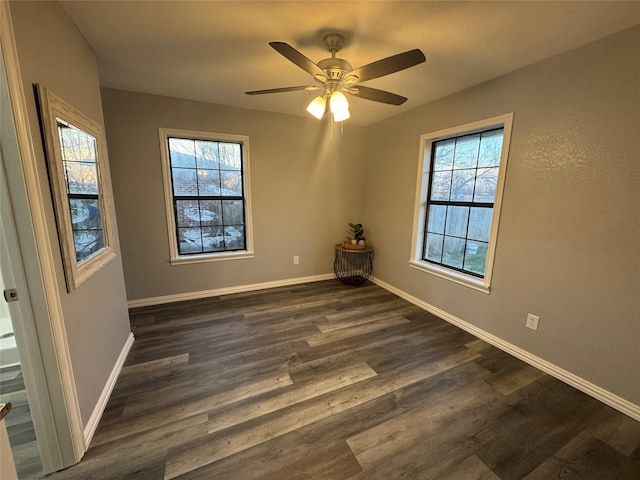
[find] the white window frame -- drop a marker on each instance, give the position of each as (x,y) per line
(175,257)
(422,187)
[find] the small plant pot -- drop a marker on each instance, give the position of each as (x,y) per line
(348,245)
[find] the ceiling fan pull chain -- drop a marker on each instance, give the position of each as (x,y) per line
(331,127)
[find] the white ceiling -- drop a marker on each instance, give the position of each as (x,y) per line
(214,51)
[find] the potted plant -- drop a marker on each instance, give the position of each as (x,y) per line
(356,237)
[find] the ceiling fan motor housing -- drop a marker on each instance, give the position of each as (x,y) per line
(335,67)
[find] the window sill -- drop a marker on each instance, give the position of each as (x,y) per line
(211,257)
(453,276)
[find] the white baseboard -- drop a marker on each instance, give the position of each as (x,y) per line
(599,393)
(92,424)
(179,297)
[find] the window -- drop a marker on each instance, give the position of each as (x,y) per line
(207,195)
(79,176)
(80,165)
(461,180)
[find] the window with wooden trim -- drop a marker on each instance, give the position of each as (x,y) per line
(206,184)
(80,182)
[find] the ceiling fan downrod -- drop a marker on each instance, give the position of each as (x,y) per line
(335,68)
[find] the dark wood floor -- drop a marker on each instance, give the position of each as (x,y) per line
(326,381)
(22,435)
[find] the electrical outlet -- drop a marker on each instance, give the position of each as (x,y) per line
(532,322)
(296,259)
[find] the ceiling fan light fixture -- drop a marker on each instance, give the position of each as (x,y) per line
(338,102)
(339,106)
(317,107)
(341,116)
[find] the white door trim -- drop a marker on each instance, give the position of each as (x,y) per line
(46,305)
(22,316)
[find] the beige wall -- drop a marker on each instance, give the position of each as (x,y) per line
(306,187)
(53,53)
(569,235)
(569,242)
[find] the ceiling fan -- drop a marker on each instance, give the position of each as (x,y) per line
(335,76)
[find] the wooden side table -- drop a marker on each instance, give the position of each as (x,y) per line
(353,266)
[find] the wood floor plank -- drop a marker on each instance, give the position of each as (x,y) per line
(440,446)
(254,353)
(117,459)
(513,379)
(155,415)
(328,365)
(384,305)
(205,379)
(471,469)
(234,414)
(327,324)
(221,444)
(365,340)
(549,424)
(619,432)
(334,461)
(361,329)
(380,445)
(148,368)
(587,457)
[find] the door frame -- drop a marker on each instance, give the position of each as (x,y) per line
(61,436)
(12,273)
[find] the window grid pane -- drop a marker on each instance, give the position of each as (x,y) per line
(462,187)
(208,195)
(79,161)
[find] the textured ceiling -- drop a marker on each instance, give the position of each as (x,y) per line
(214,51)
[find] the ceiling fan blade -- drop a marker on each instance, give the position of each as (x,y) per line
(283,89)
(388,65)
(299,59)
(376,95)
